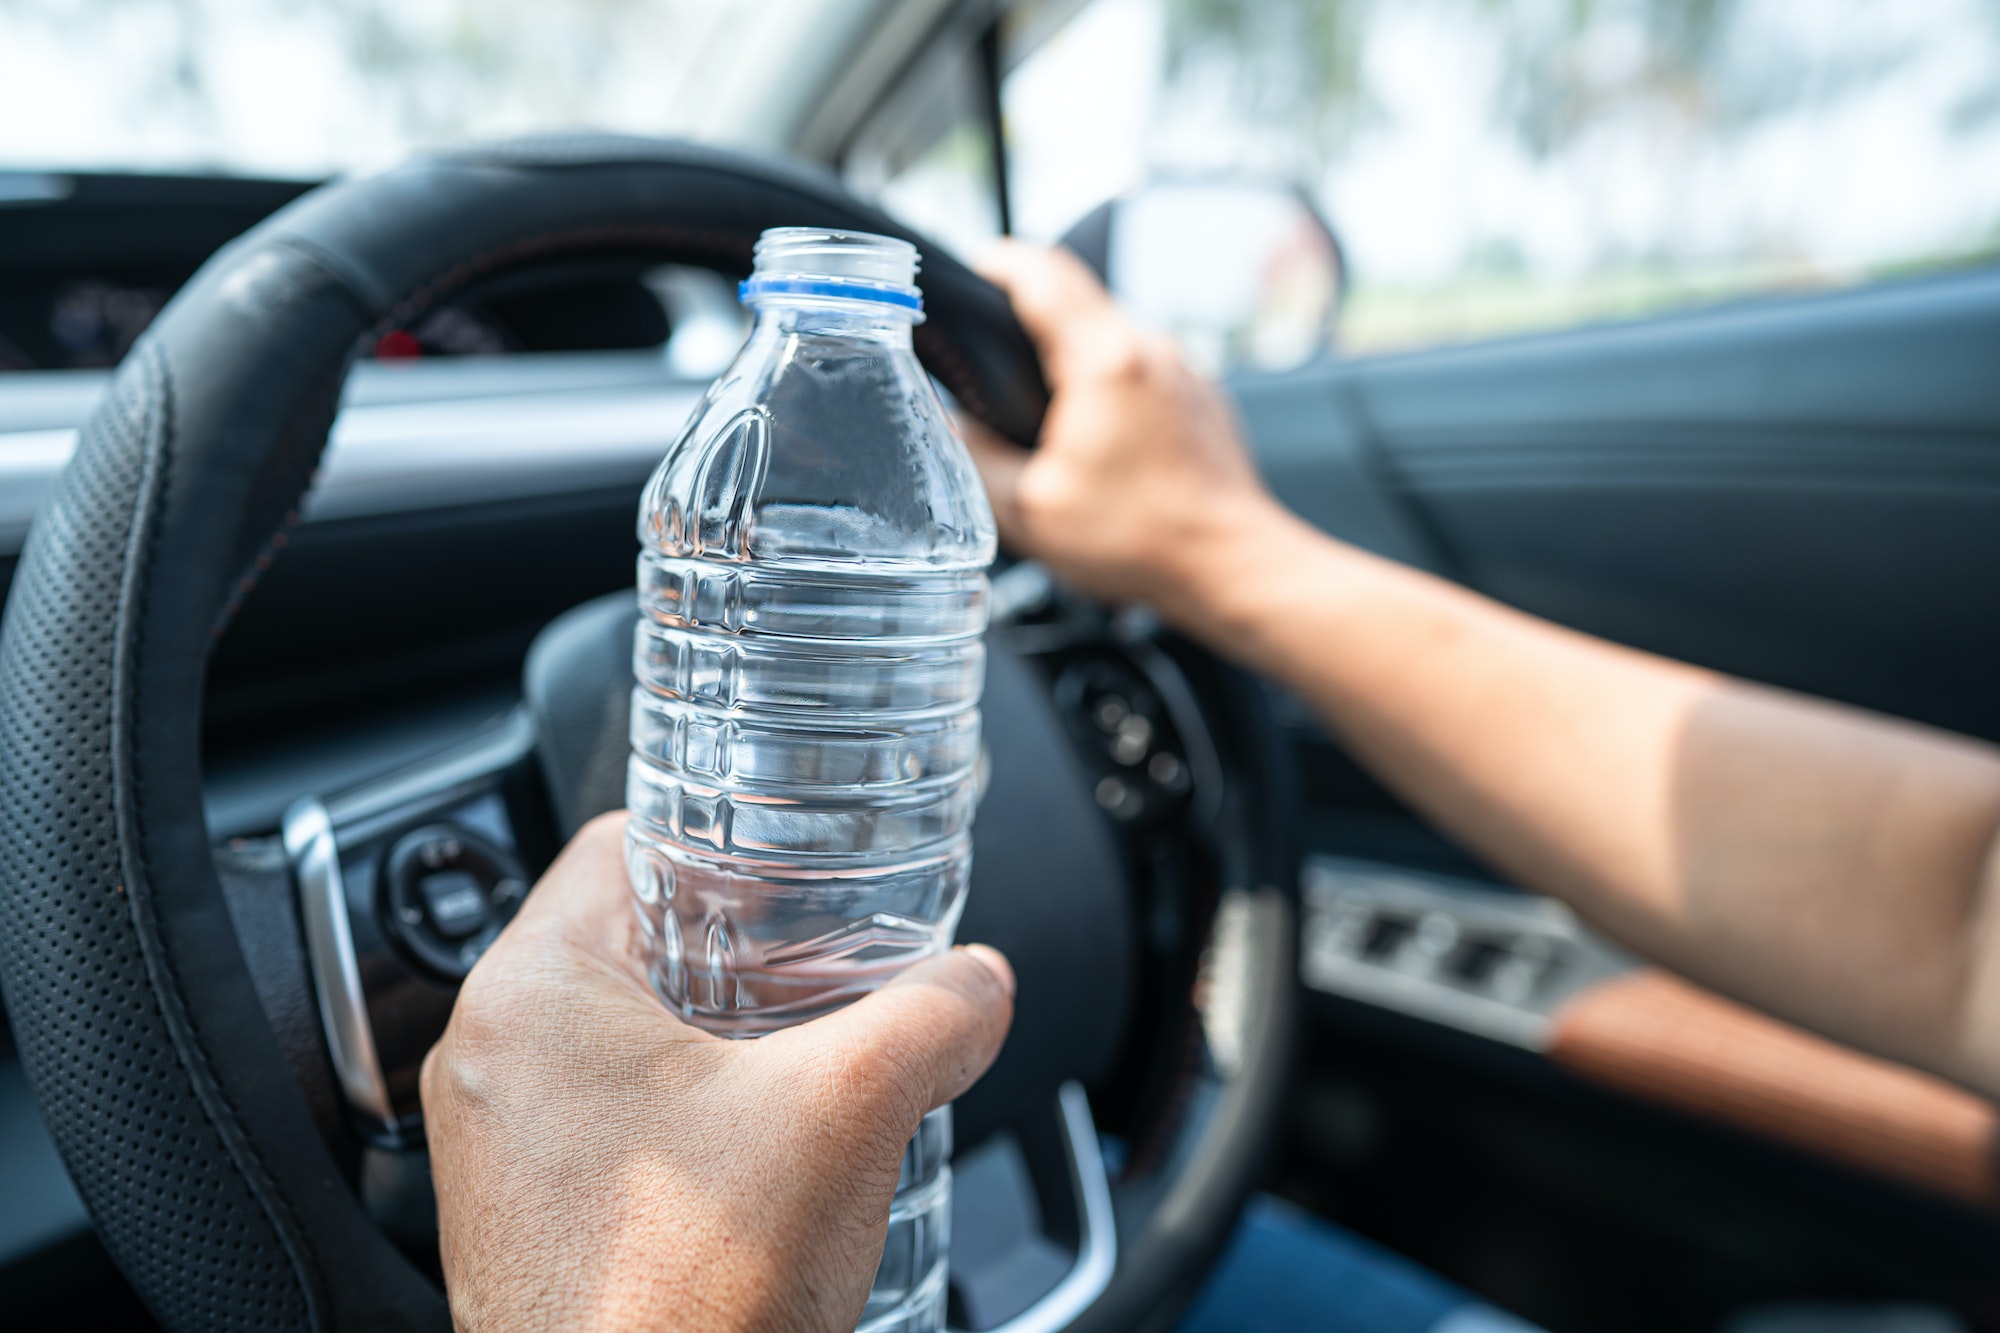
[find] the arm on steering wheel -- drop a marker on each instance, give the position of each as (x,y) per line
(1836,867)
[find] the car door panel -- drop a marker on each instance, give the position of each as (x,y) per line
(1805,492)
(1802,491)
(1317,451)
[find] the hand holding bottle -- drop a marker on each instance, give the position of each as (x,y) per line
(602,1165)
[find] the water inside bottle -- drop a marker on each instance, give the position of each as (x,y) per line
(805,724)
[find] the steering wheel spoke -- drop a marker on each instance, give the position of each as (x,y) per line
(402,883)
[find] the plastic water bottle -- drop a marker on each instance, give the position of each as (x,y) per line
(805,728)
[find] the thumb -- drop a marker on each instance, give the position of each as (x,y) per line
(930,1032)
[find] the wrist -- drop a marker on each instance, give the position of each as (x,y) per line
(1216,576)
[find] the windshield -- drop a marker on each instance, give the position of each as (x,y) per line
(308,88)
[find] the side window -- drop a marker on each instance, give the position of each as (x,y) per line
(927,153)
(1495,166)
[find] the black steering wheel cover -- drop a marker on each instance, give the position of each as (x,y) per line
(137,1021)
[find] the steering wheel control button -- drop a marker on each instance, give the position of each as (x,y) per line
(1119,799)
(455,903)
(1132,740)
(1119,722)
(509,894)
(449,893)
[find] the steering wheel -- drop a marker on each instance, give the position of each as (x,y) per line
(207,1029)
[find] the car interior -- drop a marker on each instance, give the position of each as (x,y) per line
(337,471)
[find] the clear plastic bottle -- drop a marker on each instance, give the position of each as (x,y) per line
(805,728)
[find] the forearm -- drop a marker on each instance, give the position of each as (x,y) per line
(1826,864)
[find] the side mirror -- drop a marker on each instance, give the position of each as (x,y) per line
(1244,274)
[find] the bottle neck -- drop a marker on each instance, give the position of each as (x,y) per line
(870,321)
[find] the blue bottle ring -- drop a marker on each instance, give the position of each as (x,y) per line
(751,288)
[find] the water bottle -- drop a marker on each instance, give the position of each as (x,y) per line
(805,727)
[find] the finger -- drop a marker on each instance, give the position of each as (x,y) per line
(580,911)
(1000,462)
(588,878)
(926,1036)
(1058,300)
(575,944)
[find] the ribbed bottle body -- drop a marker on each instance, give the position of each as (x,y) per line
(801,801)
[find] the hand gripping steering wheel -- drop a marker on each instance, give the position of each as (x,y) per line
(179,1040)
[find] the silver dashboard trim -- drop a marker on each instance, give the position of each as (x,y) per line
(1097,1228)
(360,810)
(315,859)
(411,439)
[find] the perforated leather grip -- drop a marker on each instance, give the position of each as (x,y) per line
(171,1100)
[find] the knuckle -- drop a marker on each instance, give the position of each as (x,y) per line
(430,1071)
(448,1081)
(1126,357)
